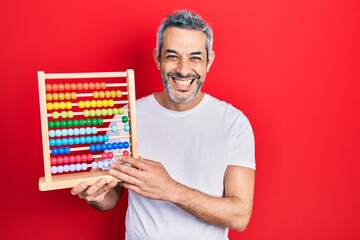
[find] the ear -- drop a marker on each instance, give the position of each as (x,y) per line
(156,58)
(211,60)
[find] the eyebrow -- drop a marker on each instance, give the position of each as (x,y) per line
(193,53)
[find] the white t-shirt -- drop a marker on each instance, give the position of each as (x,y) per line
(195,147)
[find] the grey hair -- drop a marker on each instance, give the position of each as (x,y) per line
(184,19)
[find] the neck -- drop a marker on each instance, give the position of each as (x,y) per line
(164,100)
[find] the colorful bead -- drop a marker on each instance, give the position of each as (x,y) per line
(124,119)
(67,86)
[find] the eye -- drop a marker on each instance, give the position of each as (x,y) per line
(196,59)
(170,57)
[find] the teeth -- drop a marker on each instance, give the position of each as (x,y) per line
(183,83)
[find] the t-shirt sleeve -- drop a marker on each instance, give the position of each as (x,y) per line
(242,152)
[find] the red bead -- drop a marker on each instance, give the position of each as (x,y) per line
(104,155)
(66,159)
(90,157)
(110,155)
(125,153)
(53,161)
(60,160)
(78,158)
(72,159)
(84,157)
(103,85)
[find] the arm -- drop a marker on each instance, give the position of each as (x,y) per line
(101,195)
(152,181)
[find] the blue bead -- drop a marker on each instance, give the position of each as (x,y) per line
(58,142)
(82,131)
(61,151)
(51,133)
(127,127)
(103,146)
(114,145)
(64,141)
(82,140)
(94,130)
(52,142)
(67,150)
(64,132)
(106,138)
(88,130)
(108,146)
(92,148)
(58,133)
(70,141)
(114,128)
(77,140)
(100,138)
(94,139)
(120,145)
(98,147)
(54,151)
(70,132)
(88,139)
(125,144)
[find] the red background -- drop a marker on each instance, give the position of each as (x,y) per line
(291,66)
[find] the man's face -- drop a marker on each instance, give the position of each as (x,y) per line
(183,63)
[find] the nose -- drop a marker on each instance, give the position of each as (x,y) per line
(183,67)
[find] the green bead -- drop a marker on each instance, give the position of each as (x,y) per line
(88,122)
(110,112)
(92,113)
(51,124)
(121,111)
(70,114)
(124,119)
(115,111)
(81,122)
(69,123)
(57,124)
(86,113)
(93,121)
(98,112)
(100,121)
(64,114)
(55,115)
(76,123)
(104,112)
(63,123)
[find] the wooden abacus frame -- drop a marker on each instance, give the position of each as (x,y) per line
(69,180)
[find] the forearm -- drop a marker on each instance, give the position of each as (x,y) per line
(230,212)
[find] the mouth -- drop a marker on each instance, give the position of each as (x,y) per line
(183,81)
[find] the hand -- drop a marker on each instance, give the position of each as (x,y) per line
(93,194)
(145,177)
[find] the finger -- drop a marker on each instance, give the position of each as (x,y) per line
(99,184)
(126,174)
(139,163)
(79,188)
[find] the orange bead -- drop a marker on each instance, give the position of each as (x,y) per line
(48,96)
(48,87)
(55,96)
(97,86)
(101,94)
(67,86)
(55,87)
(96,94)
(107,94)
(91,86)
(67,96)
(103,85)
(61,96)
(79,86)
(118,93)
(73,95)
(85,86)
(73,86)
(61,87)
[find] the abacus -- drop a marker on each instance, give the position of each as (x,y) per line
(79,143)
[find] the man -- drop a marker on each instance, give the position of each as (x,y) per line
(196,176)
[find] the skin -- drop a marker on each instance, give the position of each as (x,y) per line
(183,54)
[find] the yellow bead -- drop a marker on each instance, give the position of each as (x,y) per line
(98,103)
(105,103)
(56,105)
(62,105)
(93,103)
(49,106)
(87,104)
(111,103)
(48,96)
(101,94)
(68,105)
(81,104)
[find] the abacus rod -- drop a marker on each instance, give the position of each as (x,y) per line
(85,75)
(91,94)
(80,113)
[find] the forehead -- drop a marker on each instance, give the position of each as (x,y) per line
(179,39)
